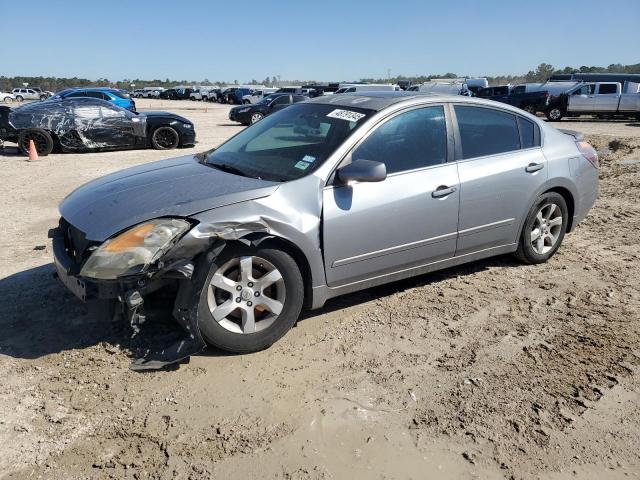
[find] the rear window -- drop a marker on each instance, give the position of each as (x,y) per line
(608,88)
(529,133)
(485,131)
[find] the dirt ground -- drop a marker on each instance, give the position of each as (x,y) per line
(490,370)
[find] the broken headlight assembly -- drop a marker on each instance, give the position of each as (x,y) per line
(134,250)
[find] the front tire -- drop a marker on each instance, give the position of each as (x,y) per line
(19,98)
(256,117)
(544,229)
(165,138)
(41,139)
(252,298)
(554,114)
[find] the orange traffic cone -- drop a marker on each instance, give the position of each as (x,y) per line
(206,109)
(33,153)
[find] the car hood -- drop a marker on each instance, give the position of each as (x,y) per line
(165,115)
(177,187)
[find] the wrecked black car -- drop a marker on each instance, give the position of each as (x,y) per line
(83,124)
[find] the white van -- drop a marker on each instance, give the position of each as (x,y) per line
(366,87)
(441,88)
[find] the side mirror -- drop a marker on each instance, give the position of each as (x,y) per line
(362,171)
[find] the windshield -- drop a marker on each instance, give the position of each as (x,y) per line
(288,144)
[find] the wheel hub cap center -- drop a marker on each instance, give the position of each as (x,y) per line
(246,294)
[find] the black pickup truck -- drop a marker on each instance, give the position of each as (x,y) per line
(530,102)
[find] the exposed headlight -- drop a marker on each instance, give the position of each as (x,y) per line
(244,110)
(187,125)
(134,250)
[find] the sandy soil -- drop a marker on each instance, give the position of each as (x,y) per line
(490,370)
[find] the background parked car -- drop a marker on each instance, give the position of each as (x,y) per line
(7,97)
(117,97)
(365,87)
(83,123)
(176,93)
(256,95)
(530,101)
(248,114)
(211,95)
(22,94)
(606,99)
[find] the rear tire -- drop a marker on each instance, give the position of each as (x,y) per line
(19,98)
(229,331)
(41,138)
(530,109)
(8,100)
(165,138)
(544,229)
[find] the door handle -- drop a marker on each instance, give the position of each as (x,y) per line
(442,191)
(534,167)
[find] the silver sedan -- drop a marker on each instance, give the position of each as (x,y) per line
(323,198)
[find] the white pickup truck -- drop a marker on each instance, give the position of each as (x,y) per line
(604,99)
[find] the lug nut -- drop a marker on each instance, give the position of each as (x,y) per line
(249,303)
(239,287)
(238,300)
(250,284)
(257,294)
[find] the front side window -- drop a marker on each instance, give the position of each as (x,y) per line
(485,131)
(290,143)
(588,89)
(78,94)
(410,140)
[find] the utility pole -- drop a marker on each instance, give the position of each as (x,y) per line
(389,74)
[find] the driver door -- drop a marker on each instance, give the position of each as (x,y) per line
(101,126)
(582,99)
(407,220)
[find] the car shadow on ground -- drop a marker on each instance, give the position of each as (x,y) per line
(11,151)
(39,316)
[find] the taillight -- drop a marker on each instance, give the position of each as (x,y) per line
(588,152)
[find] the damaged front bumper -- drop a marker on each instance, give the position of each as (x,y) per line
(127,294)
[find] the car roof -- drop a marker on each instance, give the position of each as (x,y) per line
(375,100)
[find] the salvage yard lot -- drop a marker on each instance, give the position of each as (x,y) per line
(493,369)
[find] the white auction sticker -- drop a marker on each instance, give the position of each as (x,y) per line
(347,115)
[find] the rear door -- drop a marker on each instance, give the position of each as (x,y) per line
(607,96)
(407,220)
(582,99)
(103,126)
(501,168)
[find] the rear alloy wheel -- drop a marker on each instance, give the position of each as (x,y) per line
(554,114)
(252,297)
(544,229)
(256,117)
(19,98)
(41,139)
(165,138)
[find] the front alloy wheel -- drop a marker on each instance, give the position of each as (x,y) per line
(246,294)
(251,298)
(256,117)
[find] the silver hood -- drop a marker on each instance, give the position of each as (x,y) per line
(176,187)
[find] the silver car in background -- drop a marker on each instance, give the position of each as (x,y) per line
(326,197)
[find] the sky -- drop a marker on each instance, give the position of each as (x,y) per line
(314,40)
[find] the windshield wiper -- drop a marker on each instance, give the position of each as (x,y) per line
(228,168)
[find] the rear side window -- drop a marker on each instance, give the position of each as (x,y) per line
(607,88)
(484,131)
(519,89)
(81,93)
(529,133)
(415,139)
(120,94)
(299,98)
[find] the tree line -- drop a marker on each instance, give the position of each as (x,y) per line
(541,73)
